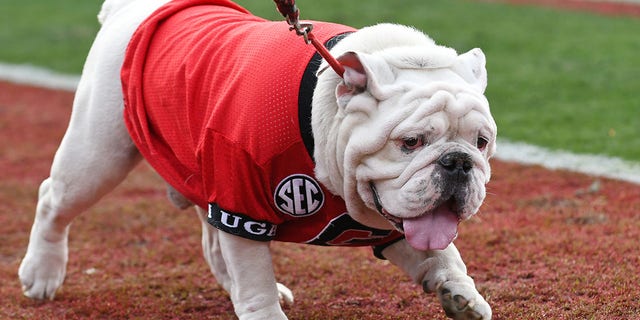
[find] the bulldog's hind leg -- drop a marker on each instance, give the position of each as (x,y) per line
(96,152)
(95,155)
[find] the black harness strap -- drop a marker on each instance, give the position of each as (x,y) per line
(305,94)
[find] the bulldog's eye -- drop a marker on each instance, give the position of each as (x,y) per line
(481,143)
(412,143)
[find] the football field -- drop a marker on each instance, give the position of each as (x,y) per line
(547,244)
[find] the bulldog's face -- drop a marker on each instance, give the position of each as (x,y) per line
(414,138)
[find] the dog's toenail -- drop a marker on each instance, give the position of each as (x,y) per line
(425,286)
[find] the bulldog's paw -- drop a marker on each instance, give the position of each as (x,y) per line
(285,295)
(43,268)
(462,301)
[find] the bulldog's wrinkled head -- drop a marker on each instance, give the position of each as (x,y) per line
(408,141)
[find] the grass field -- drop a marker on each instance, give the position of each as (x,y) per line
(559,79)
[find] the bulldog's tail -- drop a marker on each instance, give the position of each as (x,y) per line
(109,7)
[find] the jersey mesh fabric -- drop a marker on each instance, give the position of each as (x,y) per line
(211,99)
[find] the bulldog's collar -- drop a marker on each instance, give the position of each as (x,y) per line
(305,94)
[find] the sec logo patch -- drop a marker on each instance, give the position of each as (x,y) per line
(298,195)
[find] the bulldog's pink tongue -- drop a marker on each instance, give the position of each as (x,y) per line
(432,231)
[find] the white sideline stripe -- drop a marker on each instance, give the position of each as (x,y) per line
(593,165)
(39,77)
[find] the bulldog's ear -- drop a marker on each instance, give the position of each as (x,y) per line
(362,72)
(354,78)
(471,66)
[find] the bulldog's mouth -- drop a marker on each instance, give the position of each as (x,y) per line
(434,230)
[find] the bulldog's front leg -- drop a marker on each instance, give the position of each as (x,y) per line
(253,291)
(442,272)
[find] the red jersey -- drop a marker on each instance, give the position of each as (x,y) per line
(212,97)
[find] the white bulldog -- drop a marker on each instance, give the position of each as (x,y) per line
(403,139)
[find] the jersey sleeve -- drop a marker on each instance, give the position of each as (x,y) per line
(238,189)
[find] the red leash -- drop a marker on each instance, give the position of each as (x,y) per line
(289,10)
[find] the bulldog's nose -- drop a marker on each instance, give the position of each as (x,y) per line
(456,164)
